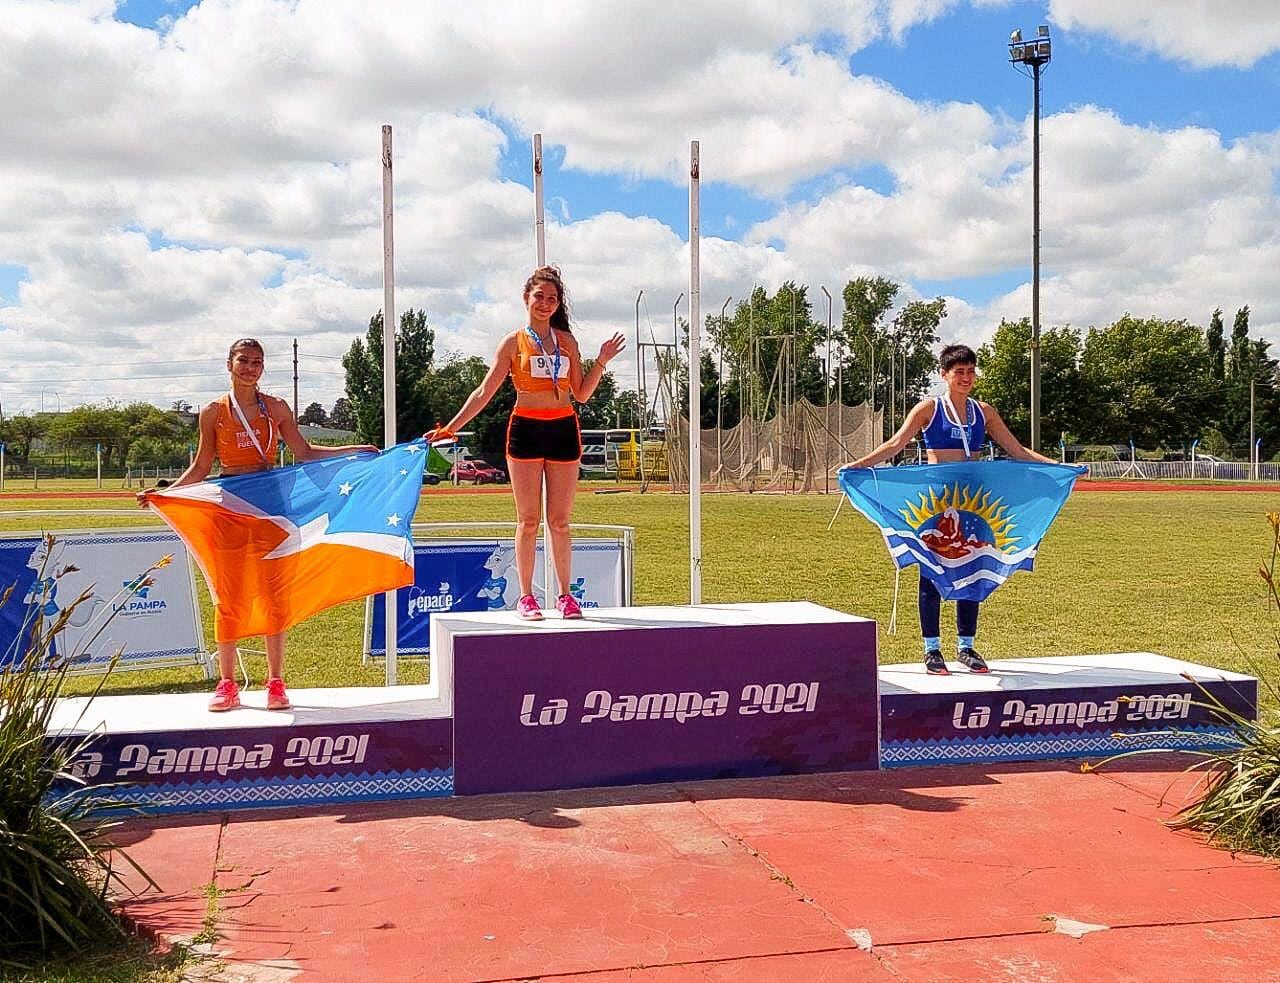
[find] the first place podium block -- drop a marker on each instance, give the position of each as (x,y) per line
(629,696)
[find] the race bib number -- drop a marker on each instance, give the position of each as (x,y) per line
(540,366)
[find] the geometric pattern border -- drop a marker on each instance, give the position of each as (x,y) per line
(169,799)
(1041,747)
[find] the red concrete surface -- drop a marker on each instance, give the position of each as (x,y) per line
(960,873)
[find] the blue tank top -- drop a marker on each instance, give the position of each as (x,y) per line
(947,434)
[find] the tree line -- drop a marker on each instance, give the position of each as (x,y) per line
(1161,384)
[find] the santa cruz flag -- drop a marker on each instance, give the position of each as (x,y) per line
(969,524)
(277,546)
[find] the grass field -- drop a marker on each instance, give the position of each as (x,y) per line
(1170,572)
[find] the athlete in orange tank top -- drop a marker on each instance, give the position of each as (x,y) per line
(543,442)
(241,430)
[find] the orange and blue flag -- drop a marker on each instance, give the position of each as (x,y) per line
(276,547)
(970,525)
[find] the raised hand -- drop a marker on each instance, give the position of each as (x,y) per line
(611,348)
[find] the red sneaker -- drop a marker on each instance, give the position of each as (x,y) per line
(277,698)
(568,606)
(527,608)
(225,697)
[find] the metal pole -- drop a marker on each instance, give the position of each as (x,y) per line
(720,390)
(695,384)
(1035,259)
(539,216)
(389,363)
(98,453)
(540,250)
(1253,469)
(295,379)
(640,414)
(1,466)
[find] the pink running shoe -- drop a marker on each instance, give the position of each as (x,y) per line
(225,697)
(527,608)
(277,698)
(568,607)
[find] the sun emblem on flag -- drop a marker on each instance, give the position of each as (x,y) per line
(958,521)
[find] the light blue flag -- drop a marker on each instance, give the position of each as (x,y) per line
(968,524)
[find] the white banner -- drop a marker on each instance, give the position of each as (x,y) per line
(153,625)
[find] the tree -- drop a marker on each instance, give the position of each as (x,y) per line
(314,415)
(1004,365)
(20,432)
(867,301)
(1217,350)
(1148,380)
(415,354)
(342,416)
(753,343)
(915,333)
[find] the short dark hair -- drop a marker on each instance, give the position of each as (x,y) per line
(954,355)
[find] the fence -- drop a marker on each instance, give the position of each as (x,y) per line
(1199,469)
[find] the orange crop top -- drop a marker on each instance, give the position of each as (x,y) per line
(535,370)
(233,445)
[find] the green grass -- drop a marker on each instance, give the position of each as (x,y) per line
(1167,572)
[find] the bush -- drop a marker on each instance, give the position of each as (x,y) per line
(56,864)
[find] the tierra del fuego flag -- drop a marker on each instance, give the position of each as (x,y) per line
(275,547)
(970,525)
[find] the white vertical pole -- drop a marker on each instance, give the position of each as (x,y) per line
(389,324)
(1,466)
(695,385)
(540,252)
(539,215)
(99,453)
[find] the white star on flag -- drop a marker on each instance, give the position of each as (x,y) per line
(344,488)
(413,448)
(404,471)
(393,519)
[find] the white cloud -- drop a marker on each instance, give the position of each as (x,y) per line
(1203,33)
(244,140)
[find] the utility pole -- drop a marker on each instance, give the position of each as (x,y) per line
(295,379)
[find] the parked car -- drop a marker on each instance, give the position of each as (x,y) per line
(430,478)
(477,471)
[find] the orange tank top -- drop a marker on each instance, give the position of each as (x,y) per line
(535,369)
(234,446)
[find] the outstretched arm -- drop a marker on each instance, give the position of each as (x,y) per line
(202,463)
(1002,435)
(301,448)
(484,392)
(583,386)
(916,421)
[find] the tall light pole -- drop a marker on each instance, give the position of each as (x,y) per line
(1034,55)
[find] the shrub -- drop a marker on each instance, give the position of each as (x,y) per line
(56,864)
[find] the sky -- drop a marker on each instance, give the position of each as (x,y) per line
(177,175)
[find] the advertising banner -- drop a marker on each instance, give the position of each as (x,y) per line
(480,575)
(153,625)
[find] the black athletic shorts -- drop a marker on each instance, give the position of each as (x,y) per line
(539,437)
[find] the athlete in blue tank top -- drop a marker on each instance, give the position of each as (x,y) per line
(954,427)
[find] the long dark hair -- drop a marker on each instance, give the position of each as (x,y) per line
(551,275)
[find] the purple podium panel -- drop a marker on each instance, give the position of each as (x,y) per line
(1063,707)
(628,698)
(168,754)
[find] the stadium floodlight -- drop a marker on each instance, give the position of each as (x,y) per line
(1031,58)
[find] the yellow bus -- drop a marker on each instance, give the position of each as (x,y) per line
(611,454)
